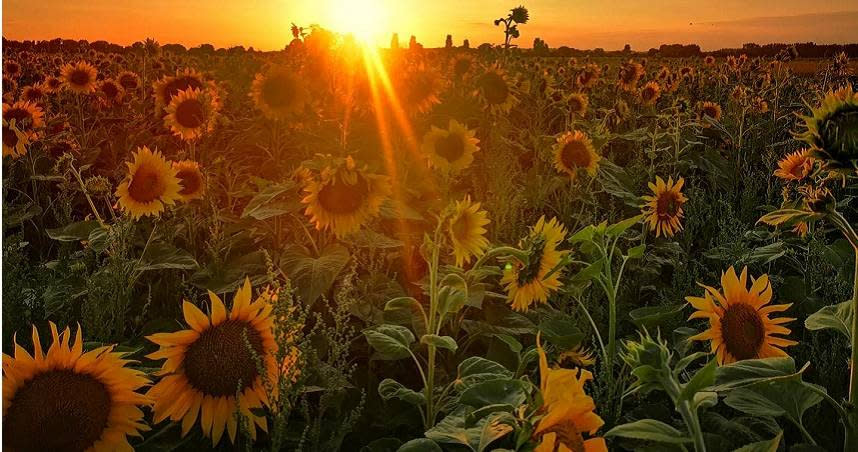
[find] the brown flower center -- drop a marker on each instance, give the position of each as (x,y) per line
(743,331)
(190,113)
(79,77)
(461,67)
(57,410)
(10,138)
(220,363)
(181,84)
(279,91)
(451,147)
(461,226)
(495,89)
(23,118)
(342,198)
(191,181)
(128,81)
(668,204)
(110,90)
(146,184)
(575,155)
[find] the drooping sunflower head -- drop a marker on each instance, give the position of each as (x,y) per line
(708,111)
(795,166)
(739,323)
(568,412)
(71,400)
(526,282)
(151,184)
(574,151)
(451,149)
(279,93)
(650,93)
(466,227)
(519,15)
(79,78)
(342,197)
(211,370)
(629,75)
(190,114)
(663,209)
(578,104)
(191,178)
(832,130)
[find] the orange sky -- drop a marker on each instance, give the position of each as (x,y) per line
(264,24)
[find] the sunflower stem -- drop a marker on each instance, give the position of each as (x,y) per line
(851,442)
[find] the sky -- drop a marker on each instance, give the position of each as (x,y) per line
(265,24)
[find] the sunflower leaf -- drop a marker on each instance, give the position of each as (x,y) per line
(649,430)
(837,317)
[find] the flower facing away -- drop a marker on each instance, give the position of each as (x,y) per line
(650,93)
(190,114)
(70,400)
(526,282)
(795,166)
(739,323)
(832,130)
(79,78)
(150,185)
(211,370)
(467,231)
(279,94)
(663,210)
(630,74)
(191,178)
(574,151)
(343,197)
(452,149)
(569,411)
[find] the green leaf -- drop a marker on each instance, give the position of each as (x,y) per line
(401,303)
(451,300)
(703,378)
(617,229)
(366,238)
(561,331)
(751,371)
(387,445)
(392,389)
(313,276)
(445,342)
(495,392)
(584,235)
(477,437)
(637,251)
(589,272)
(771,445)
(390,341)
(649,430)
(836,317)
(650,317)
(420,445)
(99,239)
(782,216)
(477,369)
(160,256)
(789,398)
(74,232)
(268,203)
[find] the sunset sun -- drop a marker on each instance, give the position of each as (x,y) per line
(365,19)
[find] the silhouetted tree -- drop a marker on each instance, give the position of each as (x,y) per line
(394,41)
(466,44)
(448,44)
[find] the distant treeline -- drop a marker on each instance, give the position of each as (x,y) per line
(540,48)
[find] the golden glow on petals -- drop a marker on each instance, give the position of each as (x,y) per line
(663,210)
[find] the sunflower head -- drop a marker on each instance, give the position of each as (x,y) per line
(130,81)
(12,69)
(495,89)
(708,111)
(462,65)
(663,209)
(79,78)
(280,94)
(629,75)
(151,184)
(832,130)
(110,92)
(15,141)
(795,166)
(709,60)
(739,324)
(170,86)
(650,93)
(578,104)
(574,151)
(451,149)
(68,399)
(34,93)
(27,115)
(212,370)
(526,282)
(466,228)
(421,87)
(52,84)
(191,178)
(190,114)
(519,15)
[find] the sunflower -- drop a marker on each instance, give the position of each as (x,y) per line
(420,88)
(68,399)
(578,104)
(467,231)
(130,81)
(191,179)
(526,282)
(110,92)
(190,114)
(832,130)
(589,75)
(15,141)
(569,411)
(707,111)
(462,65)
(79,78)
(35,94)
(12,69)
(279,93)
(343,197)
(663,210)
(709,60)
(27,115)
(52,84)
(739,323)
(211,370)
(630,74)
(452,149)
(574,151)
(170,86)
(150,185)
(650,93)
(495,90)
(795,166)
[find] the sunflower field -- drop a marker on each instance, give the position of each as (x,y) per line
(332,247)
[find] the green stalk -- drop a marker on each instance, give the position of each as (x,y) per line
(851,427)
(430,327)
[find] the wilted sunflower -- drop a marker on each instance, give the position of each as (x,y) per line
(130,81)
(191,178)
(420,88)
(343,197)
(211,371)
(495,89)
(577,103)
(630,74)
(452,149)
(69,400)
(190,114)
(663,210)
(574,151)
(525,281)
(279,93)
(569,411)
(467,230)
(832,130)
(739,323)
(650,93)
(151,184)
(795,166)
(79,78)
(589,75)
(707,111)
